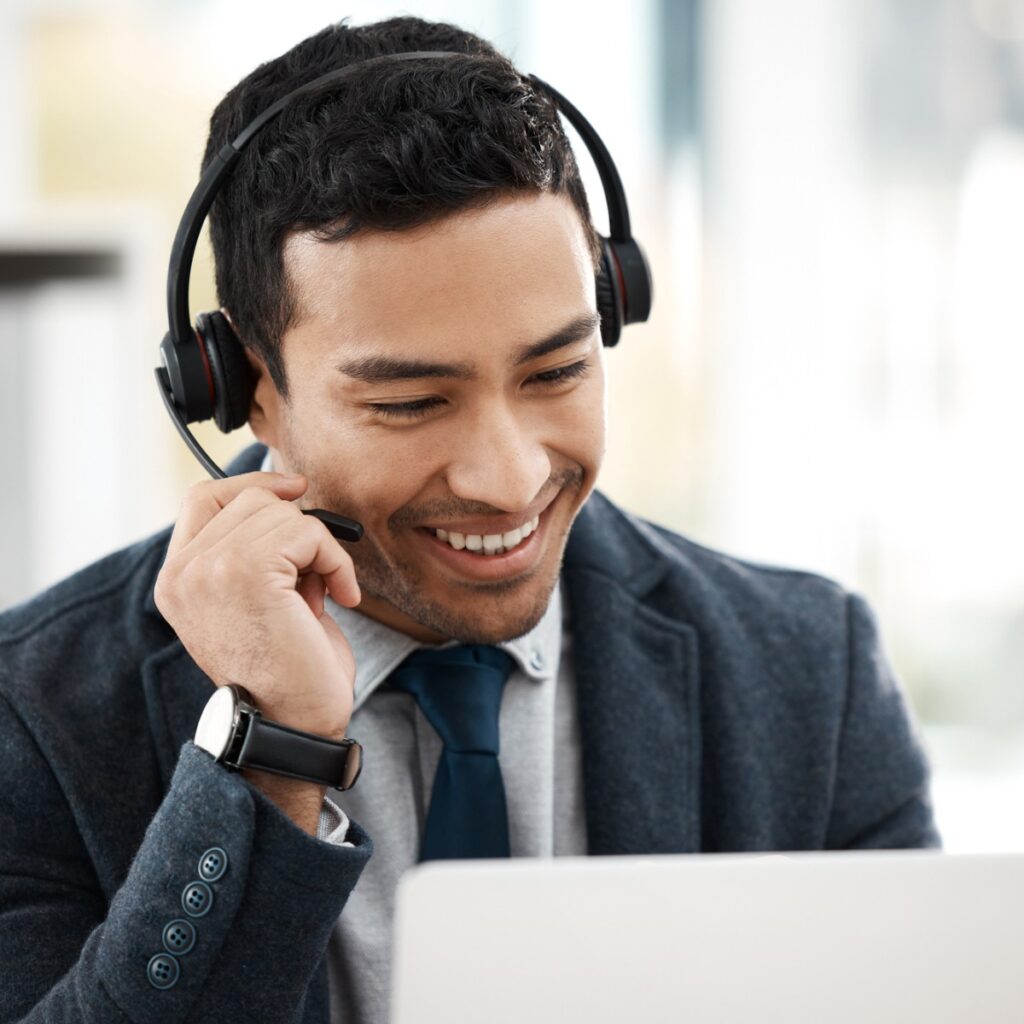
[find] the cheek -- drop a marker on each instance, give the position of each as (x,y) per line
(597,409)
(353,453)
(579,422)
(380,472)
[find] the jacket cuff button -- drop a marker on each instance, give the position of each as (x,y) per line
(197,898)
(179,936)
(213,864)
(162,971)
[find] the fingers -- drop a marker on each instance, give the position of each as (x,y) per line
(203,501)
(254,500)
(281,531)
(308,544)
(335,565)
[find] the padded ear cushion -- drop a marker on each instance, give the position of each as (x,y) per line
(609,299)
(232,374)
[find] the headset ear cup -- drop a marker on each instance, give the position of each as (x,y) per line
(609,298)
(232,374)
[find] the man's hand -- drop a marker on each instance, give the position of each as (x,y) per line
(243,586)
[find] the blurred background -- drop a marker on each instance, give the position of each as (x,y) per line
(830,192)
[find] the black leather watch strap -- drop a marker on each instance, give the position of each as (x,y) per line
(278,748)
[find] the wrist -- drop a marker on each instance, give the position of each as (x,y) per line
(297,799)
(318,725)
(240,735)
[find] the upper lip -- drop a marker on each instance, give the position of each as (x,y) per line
(485,527)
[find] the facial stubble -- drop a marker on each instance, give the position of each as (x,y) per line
(400,583)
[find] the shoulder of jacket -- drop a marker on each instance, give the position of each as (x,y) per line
(708,582)
(111,589)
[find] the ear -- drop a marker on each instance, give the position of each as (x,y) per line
(264,412)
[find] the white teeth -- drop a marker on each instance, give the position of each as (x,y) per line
(489,543)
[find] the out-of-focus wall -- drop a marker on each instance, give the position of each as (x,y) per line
(863,323)
(123,95)
(106,141)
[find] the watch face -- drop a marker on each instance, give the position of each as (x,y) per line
(216,724)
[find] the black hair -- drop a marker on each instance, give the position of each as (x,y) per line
(393,148)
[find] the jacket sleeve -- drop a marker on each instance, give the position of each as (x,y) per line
(881,795)
(262,898)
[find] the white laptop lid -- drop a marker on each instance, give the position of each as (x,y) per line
(830,938)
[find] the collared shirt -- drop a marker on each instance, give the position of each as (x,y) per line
(540,762)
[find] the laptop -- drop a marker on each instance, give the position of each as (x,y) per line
(830,938)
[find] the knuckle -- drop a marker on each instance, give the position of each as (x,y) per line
(219,570)
(319,533)
(314,527)
(254,497)
(282,513)
(169,586)
(198,496)
(160,594)
(201,489)
(190,496)
(187,577)
(164,584)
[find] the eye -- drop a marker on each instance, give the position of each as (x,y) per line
(421,406)
(408,410)
(562,373)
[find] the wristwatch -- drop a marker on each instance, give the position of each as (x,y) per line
(233,730)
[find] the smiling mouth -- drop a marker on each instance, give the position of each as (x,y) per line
(488,544)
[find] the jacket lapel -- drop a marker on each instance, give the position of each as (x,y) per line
(637,687)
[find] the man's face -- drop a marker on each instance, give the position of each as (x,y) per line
(429,389)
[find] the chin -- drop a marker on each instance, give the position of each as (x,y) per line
(497,633)
(488,616)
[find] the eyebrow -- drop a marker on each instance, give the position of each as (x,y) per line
(383,369)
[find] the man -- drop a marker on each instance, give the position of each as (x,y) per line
(411,271)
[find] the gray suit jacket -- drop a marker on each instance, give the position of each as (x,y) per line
(723,706)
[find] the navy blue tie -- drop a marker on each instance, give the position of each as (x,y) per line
(459,691)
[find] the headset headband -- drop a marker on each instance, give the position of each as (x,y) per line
(196,378)
(187,235)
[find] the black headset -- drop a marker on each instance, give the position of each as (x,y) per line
(205,371)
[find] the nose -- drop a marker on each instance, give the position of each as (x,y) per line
(499,460)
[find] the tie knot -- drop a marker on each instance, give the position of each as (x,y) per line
(459,690)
